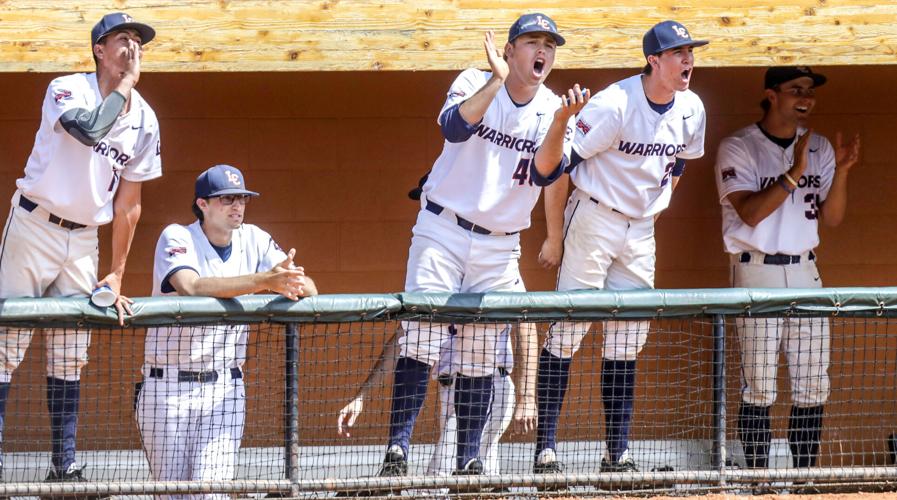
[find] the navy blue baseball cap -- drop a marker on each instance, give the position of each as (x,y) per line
(535,23)
(117,21)
(777,75)
(667,35)
(221,180)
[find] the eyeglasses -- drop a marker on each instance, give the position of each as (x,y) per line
(798,91)
(229,199)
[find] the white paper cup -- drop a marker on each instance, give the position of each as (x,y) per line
(103,296)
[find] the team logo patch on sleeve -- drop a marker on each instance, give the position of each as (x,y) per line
(456,93)
(583,127)
(728,174)
(172,251)
(62,95)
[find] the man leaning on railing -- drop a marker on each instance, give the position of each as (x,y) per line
(191,407)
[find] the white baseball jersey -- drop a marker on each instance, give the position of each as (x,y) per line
(77,182)
(749,161)
(204,348)
(485,179)
(629,150)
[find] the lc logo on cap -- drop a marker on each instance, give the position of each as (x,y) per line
(232,177)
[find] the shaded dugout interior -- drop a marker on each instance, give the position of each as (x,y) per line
(334,153)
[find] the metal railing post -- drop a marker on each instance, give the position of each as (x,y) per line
(718,454)
(291,408)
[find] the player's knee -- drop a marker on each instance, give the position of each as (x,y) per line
(68,369)
(816,395)
(417,352)
(764,399)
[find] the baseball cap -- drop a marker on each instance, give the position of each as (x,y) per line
(120,21)
(777,75)
(667,35)
(220,180)
(535,23)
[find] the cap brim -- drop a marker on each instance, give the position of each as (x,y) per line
(146,32)
(686,43)
(557,38)
(233,191)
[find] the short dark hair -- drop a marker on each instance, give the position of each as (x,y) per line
(765,105)
(197,212)
(647,69)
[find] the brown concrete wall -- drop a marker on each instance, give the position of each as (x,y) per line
(334,154)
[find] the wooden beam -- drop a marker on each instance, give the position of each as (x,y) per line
(357,35)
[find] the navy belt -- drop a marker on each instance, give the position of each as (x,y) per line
(611,209)
(464,223)
(778,259)
(201,377)
(29,206)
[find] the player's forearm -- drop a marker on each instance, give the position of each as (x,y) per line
(474,109)
(222,288)
(832,211)
(124,223)
(555,199)
(381,368)
(528,342)
(551,152)
(754,208)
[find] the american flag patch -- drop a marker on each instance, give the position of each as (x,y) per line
(728,174)
(172,251)
(62,95)
(583,126)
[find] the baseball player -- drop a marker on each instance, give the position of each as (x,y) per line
(97,143)
(500,411)
(504,138)
(628,154)
(191,408)
(776,181)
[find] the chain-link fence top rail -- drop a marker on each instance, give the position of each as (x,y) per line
(674,431)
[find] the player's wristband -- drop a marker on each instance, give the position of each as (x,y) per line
(782,184)
(790,180)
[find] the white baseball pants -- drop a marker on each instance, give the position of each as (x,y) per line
(447,258)
(501,411)
(603,249)
(191,431)
(40,259)
(805,341)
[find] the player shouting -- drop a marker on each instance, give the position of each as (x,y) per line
(504,138)
(628,154)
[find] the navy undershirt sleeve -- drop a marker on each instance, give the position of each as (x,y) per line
(575,160)
(540,180)
(166,286)
(679,167)
(454,128)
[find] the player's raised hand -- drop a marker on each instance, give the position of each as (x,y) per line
(122,303)
(551,253)
(348,415)
(846,155)
(525,414)
(497,62)
(572,102)
(131,61)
